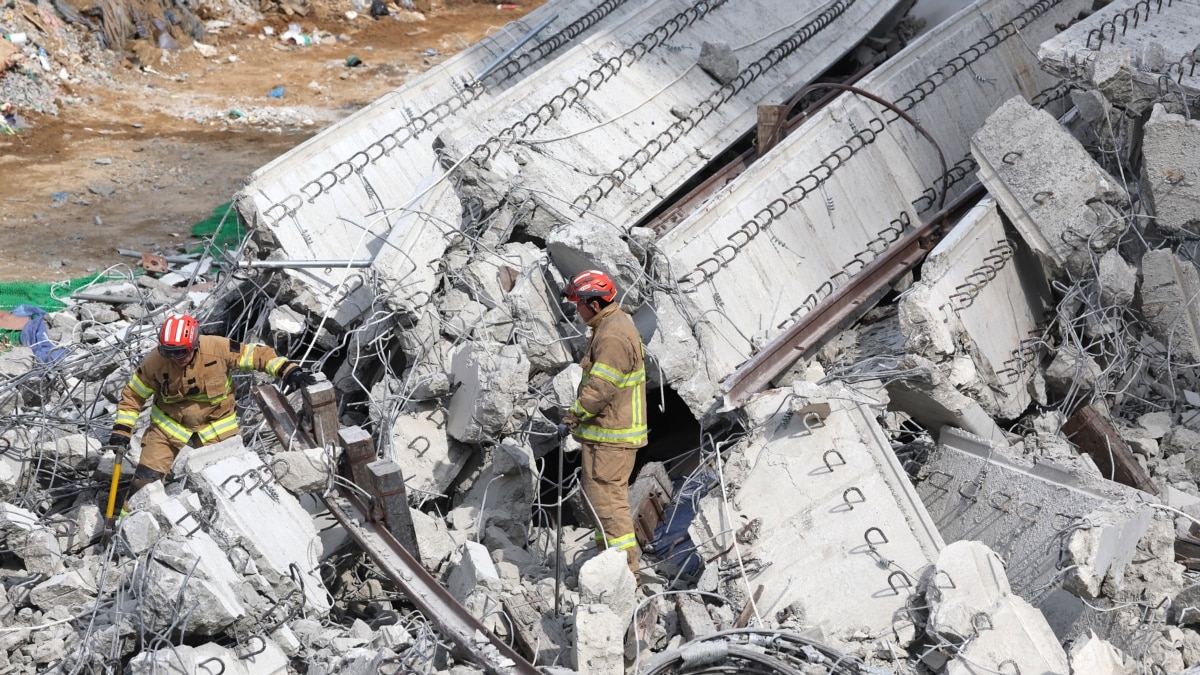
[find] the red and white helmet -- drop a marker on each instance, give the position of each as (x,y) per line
(179,334)
(590,284)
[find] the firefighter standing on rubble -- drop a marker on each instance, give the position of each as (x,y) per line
(188,377)
(608,416)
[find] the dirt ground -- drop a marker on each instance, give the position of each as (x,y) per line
(153,150)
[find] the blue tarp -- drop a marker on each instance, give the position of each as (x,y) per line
(671,541)
(34,335)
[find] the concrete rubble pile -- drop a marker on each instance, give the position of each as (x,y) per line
(994,470)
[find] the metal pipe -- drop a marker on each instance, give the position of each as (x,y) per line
(508,52)
(302,264)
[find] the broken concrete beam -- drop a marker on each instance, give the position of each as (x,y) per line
(1170,284)
(949,315)
(320,402)
(387,486)
(490,377)
(975,491)
(1171,170)
(1097,437)
(1066,207)
(838,477)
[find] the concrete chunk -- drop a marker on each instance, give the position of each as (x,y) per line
(583,245)
(1170,285)
(599,646)
(302,471)
(1094,656)
(503,496)
(1171,170)
(606,579)
(1066,207)
(473,569)
(490,377)
(73,588)
(430,459)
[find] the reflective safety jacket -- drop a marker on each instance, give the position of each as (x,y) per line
(610,407)
(196,398)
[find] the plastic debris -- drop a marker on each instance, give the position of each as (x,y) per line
(353,61)
(277,92)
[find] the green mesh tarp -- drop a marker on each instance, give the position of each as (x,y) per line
(39,294)
(223,229)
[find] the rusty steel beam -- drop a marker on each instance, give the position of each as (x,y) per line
(843,305)
(1095,435)
(458,625)
(473,639)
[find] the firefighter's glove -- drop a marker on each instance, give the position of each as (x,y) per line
(298,378)
(563,431)
(118,440)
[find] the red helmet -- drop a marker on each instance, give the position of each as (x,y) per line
(179,335)
(590,284)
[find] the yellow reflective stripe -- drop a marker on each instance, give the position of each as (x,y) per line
(610,374)
(125,417)
(623,542)
(598,534)
(173,428)
(139,387)
(211,432)
(639,420)
(635,434)
(580,411)
(246,360)
(274,365)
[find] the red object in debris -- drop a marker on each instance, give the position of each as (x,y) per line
(508,6)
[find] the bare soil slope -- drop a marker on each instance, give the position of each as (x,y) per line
(138,154)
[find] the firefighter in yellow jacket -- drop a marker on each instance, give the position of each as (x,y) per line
(608,416)
(188,377)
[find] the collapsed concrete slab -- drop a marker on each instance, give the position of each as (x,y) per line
(1035,516)
(371,188)
(815,518)
(795,227)
(950,315)
(1169,292)
(589,112)
(1066,207)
